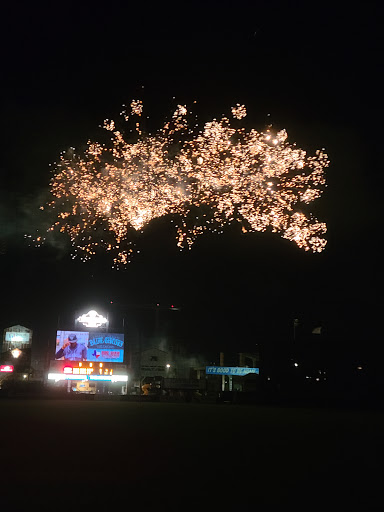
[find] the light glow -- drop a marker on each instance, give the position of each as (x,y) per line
(16,353)
(92,319)
(111,378)
(62,376)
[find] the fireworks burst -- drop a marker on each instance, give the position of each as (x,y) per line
(203,179)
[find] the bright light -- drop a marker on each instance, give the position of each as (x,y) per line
(61,376)
(296,364)
(16,353)
(110,378)
(92,319)
(168,365)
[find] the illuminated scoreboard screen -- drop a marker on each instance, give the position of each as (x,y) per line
(90,346)
(86,372)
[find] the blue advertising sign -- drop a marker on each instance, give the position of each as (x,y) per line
(106,347)
(230,370)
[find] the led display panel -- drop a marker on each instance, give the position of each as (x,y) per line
(90,346)
(106,347)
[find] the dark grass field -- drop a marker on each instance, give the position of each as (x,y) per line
(164,456)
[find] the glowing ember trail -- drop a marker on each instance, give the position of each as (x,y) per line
(203,179)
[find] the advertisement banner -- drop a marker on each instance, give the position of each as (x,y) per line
(106,347)
(230,370)
(90,346)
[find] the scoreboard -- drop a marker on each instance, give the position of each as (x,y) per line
(86,371)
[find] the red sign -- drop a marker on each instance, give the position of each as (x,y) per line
(110,354)
(7,368)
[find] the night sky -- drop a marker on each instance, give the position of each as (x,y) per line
(311,68)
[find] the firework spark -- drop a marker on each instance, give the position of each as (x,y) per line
(203,179)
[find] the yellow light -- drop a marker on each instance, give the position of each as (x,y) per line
(16,353)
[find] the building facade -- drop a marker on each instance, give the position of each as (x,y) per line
(16,337)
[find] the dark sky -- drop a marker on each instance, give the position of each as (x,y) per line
(313,66)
